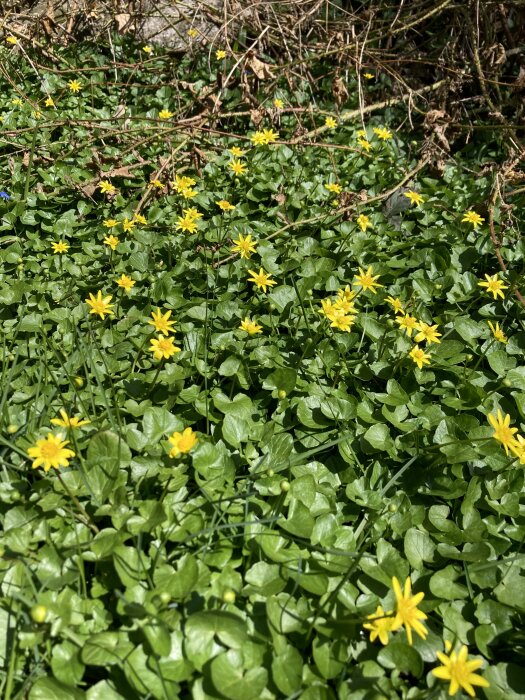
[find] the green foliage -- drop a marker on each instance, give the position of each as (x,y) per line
(326,463)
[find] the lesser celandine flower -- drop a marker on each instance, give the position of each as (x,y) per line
(518,448)
(182,182)
(225,205)
(459,671)
(261,279)
(251,327)
(330,122)
(161,321)
(364,143)
(407,613)
(427,333)
(409,323)
(66,421)
(237,152)
(111,241)
(338,319)
(244,245)
(363,222)
(50,452)
(258,139)
(192,32)
(333,187)
(100,305)
(237,166)
(380,625)
(414,197)
(140,219)
(110,223)
(126,283)
(220,54)
(368,76)
(502,431)
(494,285)
(396,304)
(382,133)
(270,136)
(498,333)
(128,225)
(158,184)
(186,223)
(74,85)
(60,247)
(182,442)
(106,187)
(471,217)
(163,348)
(192,213)
(419,356)
(49,102)
(278,103)
(147,49)
(12,40)
(366,280)
(166,114)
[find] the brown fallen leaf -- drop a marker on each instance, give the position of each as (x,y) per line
(122,21)
(261,70)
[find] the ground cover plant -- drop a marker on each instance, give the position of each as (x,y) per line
(263,394)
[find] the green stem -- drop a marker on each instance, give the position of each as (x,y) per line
(30,164)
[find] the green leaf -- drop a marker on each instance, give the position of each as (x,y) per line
(158,423)
(106,454)
(47,688)
(419,548)
(378,436)
(401,657)
(232,681)
(106,649)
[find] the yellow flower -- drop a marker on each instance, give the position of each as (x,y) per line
(327,308)
(161,322)
(396,304)
(192,32)
(419,356)
(518,448)
(270,136)
(414,197)
(192,213)
(182,442)
(237,152)
(363,222)
(49,102)
(110,223)
(183,182)
(12,40)
(111,241)
(244,245)
(147,49)
(494,285)
(459,671)
(60,247)
(428,333)
(345,306)
(158,184)
(17,101)
(502,431)
(166,114)
(347,294)
(237,167)
(261,279)
(278,103)
(333,187)
(368,76)
(258,139)
(50,452)
(188,193)
(220,54)
(99,305)
(365,280)
(380,625)
(68,421)
(409,323)
(126,283)
(140,219)
(498,333)
(470,217)
(250,326)
(338,319)
(407,613)
(106,187)
(382,133)
(162,347)
(74,85)
(186,223)
(330,122)
(364,143)
(225,205)
(128,225)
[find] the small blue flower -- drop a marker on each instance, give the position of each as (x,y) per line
(4,195)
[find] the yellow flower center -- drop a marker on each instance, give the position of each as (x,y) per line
(50,450)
